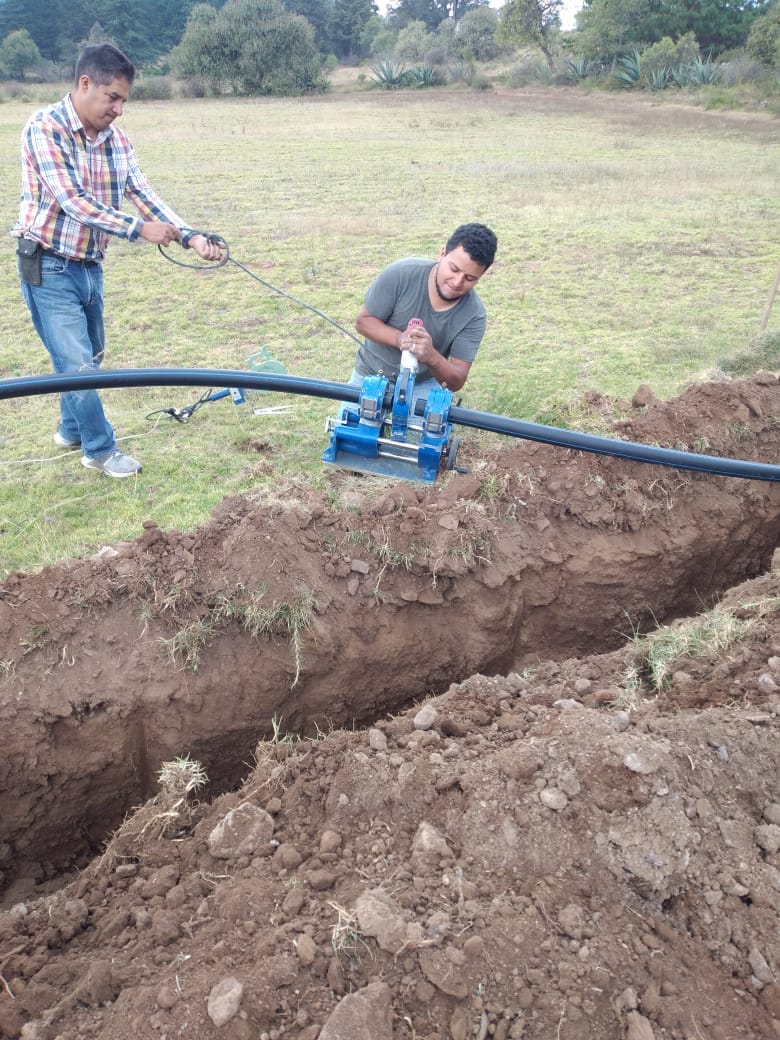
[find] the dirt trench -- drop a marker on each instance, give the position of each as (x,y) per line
(292,611)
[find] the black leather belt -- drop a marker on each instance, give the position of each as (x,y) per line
(70,259)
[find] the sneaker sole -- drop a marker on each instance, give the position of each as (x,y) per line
(62,443)
(107,473)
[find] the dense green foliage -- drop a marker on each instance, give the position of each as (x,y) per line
(249,47)
(431,12)
(345,25)
(610,28)
(280,49)
(532,21)
(18,54)
(145,29)
(477,33)
(763,42)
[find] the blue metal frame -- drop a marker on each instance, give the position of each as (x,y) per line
(369,440)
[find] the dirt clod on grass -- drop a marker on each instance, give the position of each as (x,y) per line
(496,758)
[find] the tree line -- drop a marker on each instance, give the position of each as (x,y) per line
(148,29)
(281,46)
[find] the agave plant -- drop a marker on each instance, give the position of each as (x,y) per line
(421,76)
(542,72)
(629,71)
(388,75)
(578,69)
(660,78)
(703,70)
(681,75)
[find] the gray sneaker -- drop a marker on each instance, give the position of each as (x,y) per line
(65,442)
(113,464)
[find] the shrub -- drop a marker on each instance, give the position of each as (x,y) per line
(196,87)
(152,88)
(763,42)
(741,69)
(413,42)
(252,47)
(665,55)
(476,33)
(528,69)
(681,76)
(459,71)
(436,56)
(542,73)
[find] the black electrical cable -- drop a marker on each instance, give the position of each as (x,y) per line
(227,258)
(183,414)
(27,386)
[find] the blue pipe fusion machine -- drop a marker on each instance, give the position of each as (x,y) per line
(391,441)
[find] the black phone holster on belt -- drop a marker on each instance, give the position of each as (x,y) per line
(29,253)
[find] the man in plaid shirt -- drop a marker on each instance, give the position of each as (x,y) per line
(77,169)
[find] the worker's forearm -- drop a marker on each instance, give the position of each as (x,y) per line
(379,332)
(445,372)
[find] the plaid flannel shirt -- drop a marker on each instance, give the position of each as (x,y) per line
(73,188)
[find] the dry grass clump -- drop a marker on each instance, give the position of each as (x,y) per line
(166,815)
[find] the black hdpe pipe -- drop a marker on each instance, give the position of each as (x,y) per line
(28,386)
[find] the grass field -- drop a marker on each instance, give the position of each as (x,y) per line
(637,244)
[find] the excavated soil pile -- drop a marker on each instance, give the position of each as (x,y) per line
(504,813)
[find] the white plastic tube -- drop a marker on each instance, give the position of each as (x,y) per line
(408,360)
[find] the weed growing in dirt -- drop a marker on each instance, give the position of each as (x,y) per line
(493,487)
(174,598)
(630,695)
(188,643)
(167,814)
(708,634)
(244,609)
(181,777)
(346,941)
(763,607)
(740,431)
(401,559)
(35,638)
(359,537)
(279,736)
(293,619)
(469,550)
(145,615)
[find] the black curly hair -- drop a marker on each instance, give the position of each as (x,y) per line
(477,240)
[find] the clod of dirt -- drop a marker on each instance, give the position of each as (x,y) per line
(573,835)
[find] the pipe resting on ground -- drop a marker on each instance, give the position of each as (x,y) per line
(27,386)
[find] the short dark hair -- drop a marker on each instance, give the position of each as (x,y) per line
(477,240)
(103,62)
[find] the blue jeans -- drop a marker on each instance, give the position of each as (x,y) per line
(421,389)
(67,312)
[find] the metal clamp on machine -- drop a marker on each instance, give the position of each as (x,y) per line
(397,444)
